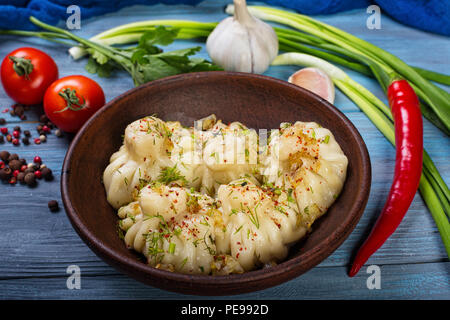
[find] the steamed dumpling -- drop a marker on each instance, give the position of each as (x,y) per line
(216,200)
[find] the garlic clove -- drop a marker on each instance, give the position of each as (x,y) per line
(316,81)
(242,43)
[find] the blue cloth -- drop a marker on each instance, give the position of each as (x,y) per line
(429,15)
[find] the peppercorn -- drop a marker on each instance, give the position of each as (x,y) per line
(43,119)
(21,177)
(12,112)
(27,133)
(25,141)
(5,174)
(29,170)
(2,164)
(4,155)
(23,161)
(13,180)
(37,160)
(43,138)
(23,117)
(30,179)
(23,168)
(16,134)
(2,121)
(19,110)
(38,174)
(15,141)
(15,164)
(53,206)
(9,138)
(13,156)
(4,130)
(58,133)
(37,141)
(17,128)
(46,129)
(47,174)
(2,139)
(39,128)
(50,125)
(15,173)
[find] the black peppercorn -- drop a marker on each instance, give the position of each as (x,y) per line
(23,117)
(4,155)
(27,133)
(19,110)
(53,205)
(47,174)
(15,164)
(21,177)
(30,179)
(17,128)
(13,156)
(5,174)
(2,121)
(2,139)
(43,119)
(25,141)
(29,170)
(23,161)
(39,128)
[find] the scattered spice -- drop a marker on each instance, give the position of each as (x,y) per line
(30,179)
(53,205)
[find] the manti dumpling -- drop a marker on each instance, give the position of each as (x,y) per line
(215,199)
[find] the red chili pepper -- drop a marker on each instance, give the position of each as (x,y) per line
(408,168)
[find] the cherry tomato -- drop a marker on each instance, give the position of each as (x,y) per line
(70,101)
(26,73)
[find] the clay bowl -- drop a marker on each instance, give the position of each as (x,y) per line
(259,102)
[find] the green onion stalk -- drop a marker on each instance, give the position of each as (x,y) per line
(436,98)
(432,187)
(345,50)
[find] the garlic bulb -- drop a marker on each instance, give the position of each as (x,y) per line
(242,43)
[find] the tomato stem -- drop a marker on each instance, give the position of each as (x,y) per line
(73,101)
(22,66)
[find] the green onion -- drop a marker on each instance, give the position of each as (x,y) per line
(437,99)
(172,247)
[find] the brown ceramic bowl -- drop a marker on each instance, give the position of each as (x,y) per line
(257,101)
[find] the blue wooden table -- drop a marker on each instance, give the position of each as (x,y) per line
(37,246)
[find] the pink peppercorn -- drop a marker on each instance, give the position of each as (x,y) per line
(2,164)
(4,130)
(37,141)
(15,142)
(37,159)
(38,174)
(15,173)
(46,129)
(23,167)
(16,134)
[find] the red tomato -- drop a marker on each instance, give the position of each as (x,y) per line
(26,73)
(70,101)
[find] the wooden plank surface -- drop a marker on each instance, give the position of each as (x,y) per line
(38,246)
